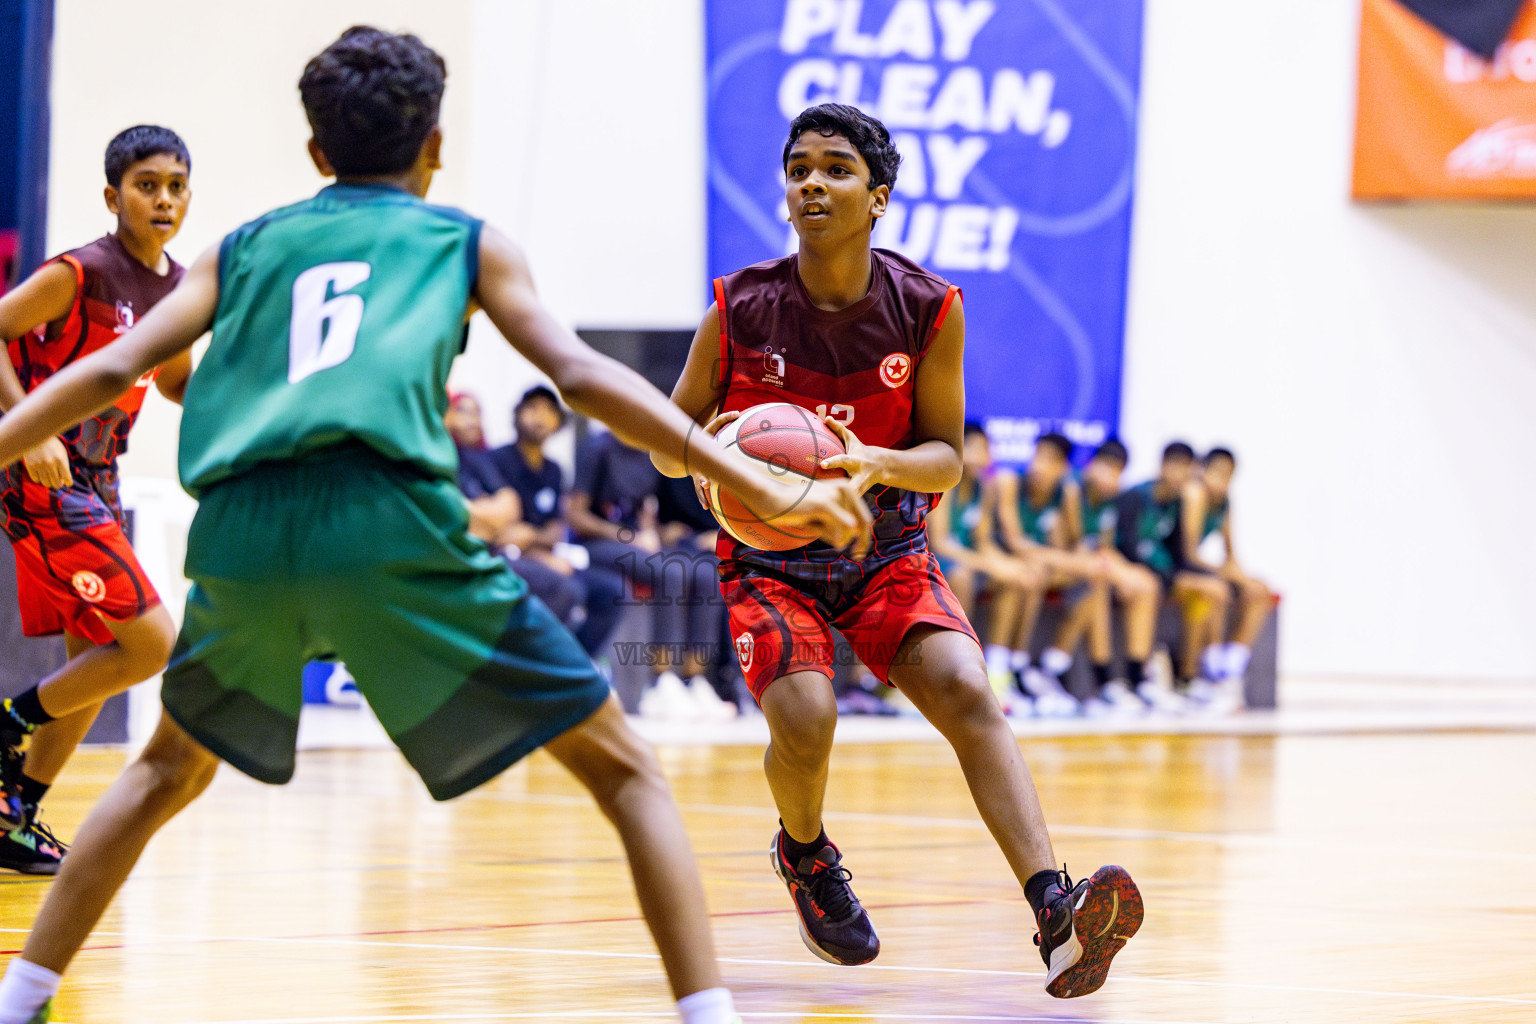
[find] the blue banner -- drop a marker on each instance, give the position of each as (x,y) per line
(1017,126)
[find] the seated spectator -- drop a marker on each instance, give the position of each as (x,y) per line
(496,510)
(1208,511)
(613,510)
(972,567)
(1134,588)
(538,530)
(1149,522)
(1035,511)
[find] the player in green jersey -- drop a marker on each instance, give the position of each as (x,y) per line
(1207,511)
(973,564)
(330,522)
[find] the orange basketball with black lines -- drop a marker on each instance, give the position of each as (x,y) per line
(791,442)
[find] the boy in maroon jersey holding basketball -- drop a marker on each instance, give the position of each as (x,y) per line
(873,343)
(75,572)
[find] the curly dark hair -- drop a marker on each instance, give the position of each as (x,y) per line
(372,98)
(141,142)
(869,137)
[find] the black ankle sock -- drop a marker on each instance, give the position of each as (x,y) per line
(795,851)
(1036,888)
(30,710)
(1102,675)
(31,791)
(1136,672)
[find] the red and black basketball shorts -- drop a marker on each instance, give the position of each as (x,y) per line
(780,627)
(71,580)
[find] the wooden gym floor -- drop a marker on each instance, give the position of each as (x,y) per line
(1383,878)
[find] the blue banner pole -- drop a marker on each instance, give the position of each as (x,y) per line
(32,176)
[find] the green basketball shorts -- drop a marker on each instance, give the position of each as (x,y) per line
(347,555)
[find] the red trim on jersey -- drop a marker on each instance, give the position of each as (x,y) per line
(938,321)
(725,341)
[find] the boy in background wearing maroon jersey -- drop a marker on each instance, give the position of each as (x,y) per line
(872,343)
(75,572)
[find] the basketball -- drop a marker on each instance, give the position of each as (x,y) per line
(791,442)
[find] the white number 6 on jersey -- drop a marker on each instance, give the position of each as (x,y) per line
(323,330)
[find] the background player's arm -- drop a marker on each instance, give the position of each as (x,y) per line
(605,389)
(1069,523)
(173,377)
(84,388)
(697,392)
(1195,503)
(46,296)
(1009,525)
(933,464)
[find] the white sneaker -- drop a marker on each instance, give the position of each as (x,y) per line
(1121,702)
(1161,699)
(712,707)
(1201,688)
(1225,697)
(1019,706)
(668,700)
(1051,699)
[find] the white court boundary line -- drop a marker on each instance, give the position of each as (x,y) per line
(760,962)
(1243,840)
(670,1015)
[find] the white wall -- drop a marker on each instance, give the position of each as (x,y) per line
(1370,365)
(1373,366)
(224,77)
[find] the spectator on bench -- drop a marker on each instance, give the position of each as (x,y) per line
(1134,588)
(955,535)
(1034,513)
(1150,517)
(496,510)
(613,510)
(539,529)
(1208,511)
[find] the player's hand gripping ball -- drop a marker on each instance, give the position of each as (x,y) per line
(790,442)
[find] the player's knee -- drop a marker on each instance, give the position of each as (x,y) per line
(178,769)
(959,695)
(1257,592)
(803,736)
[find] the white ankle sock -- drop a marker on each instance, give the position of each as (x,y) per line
(24,989)
(1018,660)
(711,1006)
(1055,661)
(1213,663)
(1236,659)
(997,658)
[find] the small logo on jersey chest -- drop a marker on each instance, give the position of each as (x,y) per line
(744,650)
(124,317)
(895,369)
(773,368)
(88,585)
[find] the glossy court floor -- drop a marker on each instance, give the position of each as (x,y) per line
(1338,878)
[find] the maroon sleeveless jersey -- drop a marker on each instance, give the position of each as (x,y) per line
(112,290)
(857,364)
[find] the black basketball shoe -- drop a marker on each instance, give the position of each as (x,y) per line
(13,740)
(1083,926)
(32,849)
(832,924)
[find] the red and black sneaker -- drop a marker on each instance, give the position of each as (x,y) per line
(1083,926)
(832,924)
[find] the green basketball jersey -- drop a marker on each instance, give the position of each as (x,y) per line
(338,320)
(965,515)
(1038,522)
(1098,520)
(1215,518)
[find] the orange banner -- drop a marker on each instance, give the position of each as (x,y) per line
(1436,121)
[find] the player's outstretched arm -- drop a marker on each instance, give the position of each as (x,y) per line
(1196,501)
(933,464)
(605,389)
(85,388)
(697,391)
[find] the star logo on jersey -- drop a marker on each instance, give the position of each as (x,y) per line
(895,369)
(744,650)
(88,585)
